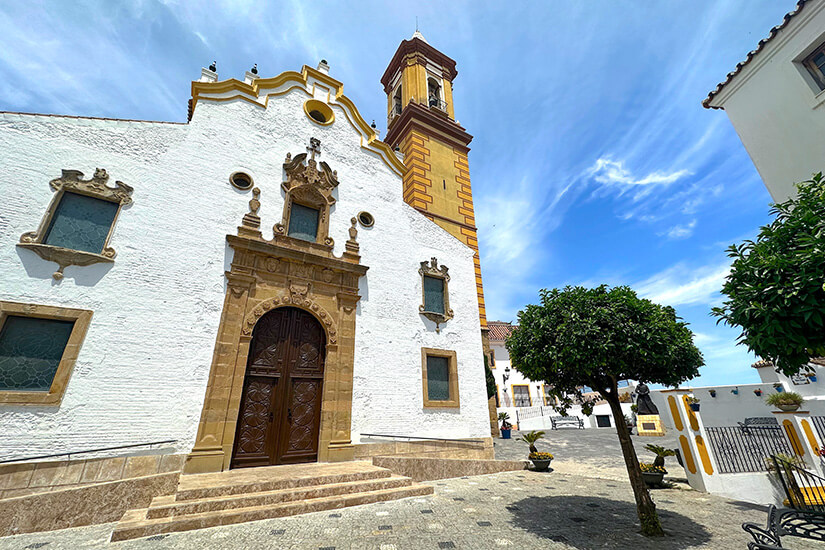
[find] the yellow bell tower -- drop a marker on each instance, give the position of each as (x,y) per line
(421,124)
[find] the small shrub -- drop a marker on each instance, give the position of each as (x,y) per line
(530,438)
(784,398)
(692,400)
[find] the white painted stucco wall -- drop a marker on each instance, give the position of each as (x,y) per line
(142,371)
(777,109)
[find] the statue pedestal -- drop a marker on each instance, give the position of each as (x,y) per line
(649,424)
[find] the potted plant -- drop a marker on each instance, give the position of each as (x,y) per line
(541,461)
(660,453)
(787,401)
(712,393)
(693,402)
(735,391)
(504,419)
(811,376)
(778,387)
(652,474)
(758,392)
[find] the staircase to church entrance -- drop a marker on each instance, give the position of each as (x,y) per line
(250,494)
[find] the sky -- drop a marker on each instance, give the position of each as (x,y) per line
(592,161)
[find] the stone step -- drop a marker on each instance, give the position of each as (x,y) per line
(167,506)
(274,478)
(135,523)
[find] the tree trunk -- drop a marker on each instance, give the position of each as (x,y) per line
(645,507)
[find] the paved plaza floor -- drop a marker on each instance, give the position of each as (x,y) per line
(516,510)
(593,452)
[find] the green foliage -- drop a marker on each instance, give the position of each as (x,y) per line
(661,453)
(775,290)
(658,450)
(491,381)
(530,438)
(504,420)
(690,400)
(595,337)
(784,398)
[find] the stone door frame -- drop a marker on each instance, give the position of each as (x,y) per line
(265,275)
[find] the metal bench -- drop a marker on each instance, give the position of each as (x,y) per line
(758,422)
(786,522)
(562,421)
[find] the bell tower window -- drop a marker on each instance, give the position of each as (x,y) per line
(434,94)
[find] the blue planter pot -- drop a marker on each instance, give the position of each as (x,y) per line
(505,434)
(694,407)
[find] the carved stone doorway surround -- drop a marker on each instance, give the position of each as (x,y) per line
(267,275)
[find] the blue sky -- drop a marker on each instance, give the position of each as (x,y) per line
(593,160)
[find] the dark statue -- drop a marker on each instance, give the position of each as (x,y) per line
(644,403)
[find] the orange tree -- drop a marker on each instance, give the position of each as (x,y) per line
(596,337)
(775,290)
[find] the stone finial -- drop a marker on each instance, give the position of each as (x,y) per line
(351,247)
(210,74)
(323,66)
(251,224)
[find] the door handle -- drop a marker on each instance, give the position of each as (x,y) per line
(271,418)
(289,414)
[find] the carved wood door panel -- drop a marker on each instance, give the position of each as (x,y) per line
(279,417)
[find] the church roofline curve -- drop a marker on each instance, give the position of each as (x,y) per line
(259,92)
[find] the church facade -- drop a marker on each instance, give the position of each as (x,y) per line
(268,283)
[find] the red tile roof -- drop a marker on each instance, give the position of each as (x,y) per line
(788,16)
(499,330)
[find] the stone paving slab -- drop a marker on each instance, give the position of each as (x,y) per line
(515,510)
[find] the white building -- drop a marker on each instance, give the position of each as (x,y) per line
(248,287)
(775,99)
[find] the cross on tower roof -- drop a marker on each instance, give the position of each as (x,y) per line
(314,147)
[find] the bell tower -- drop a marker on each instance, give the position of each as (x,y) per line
(421,124)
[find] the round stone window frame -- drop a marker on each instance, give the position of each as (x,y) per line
(314,105)
(244,175)
(370,219)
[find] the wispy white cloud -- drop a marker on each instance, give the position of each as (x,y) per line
(681,231)
(683,285)
(605,170)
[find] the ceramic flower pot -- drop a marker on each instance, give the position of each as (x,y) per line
(541,465)
(505,433)
(788,408)
(694,407)
(653,479)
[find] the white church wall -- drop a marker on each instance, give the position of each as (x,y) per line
(774,105)
(142,370)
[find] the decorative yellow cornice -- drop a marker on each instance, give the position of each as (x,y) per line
(261,89)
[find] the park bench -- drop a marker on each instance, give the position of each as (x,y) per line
(562,421)
(786,522)
(759,422)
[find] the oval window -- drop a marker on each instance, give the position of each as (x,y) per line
(241,180)
(318,111)
(366,219)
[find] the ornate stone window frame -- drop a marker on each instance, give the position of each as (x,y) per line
(432,269)
(81,318)
(71,181)
(312,187)
(452,366)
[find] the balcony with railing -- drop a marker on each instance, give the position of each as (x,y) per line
(436,103)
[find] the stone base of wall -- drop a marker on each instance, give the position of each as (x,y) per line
(427,469)
(29,478)
(89,505)
(480,448)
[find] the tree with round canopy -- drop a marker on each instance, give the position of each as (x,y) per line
(596,337)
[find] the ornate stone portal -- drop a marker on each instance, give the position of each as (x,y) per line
(269,274)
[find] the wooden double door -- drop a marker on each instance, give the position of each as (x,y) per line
(280,414)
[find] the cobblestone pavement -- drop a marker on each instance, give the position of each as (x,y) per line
(591,452)
(516,510)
